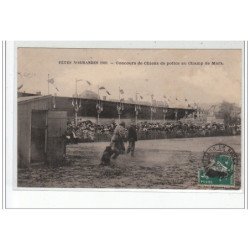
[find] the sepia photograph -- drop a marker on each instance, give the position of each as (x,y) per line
(122,128)
(129,118)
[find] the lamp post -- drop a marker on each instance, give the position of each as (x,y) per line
(165,110)
(176,114)
(152,110)
(137,109)
(99,105)
(152,107)
(120,108)
(77,105)
(99,108)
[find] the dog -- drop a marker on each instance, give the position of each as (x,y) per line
(107,153)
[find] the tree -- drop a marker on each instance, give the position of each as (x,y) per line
(226,111)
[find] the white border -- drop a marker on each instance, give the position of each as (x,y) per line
(106,198)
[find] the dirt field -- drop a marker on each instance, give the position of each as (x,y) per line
(158,164)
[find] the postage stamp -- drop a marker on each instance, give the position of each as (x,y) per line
(219,162)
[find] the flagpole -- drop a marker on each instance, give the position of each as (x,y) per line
(119,115)
(76,88)
(48,84)
(135,108)
(98,115)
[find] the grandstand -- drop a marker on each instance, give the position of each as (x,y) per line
(88,109)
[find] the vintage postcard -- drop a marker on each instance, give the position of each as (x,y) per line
(130,118)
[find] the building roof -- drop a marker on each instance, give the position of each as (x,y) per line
(32,98)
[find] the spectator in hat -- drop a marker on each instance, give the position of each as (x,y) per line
(132,138)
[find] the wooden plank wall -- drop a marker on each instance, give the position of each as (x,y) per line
(24,126)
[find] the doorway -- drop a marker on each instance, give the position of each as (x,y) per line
(38,136)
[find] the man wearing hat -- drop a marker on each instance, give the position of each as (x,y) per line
(132,138)
(117,140)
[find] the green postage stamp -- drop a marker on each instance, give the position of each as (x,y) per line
(219,163)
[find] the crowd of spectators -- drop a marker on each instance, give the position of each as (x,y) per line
(87,131)
(181,129)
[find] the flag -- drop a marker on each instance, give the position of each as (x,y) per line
(121,91)
(51,80)
(108,92)
(102,88)
(19,87)
(89,83)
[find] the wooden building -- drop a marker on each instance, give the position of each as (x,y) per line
(40,130)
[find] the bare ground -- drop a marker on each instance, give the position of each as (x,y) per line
(158,164)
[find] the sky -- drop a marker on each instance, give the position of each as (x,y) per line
(173,77)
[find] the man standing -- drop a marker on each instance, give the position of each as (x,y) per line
(132,138)
(117,140)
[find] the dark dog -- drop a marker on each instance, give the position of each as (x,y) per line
(105,160)
(215,173)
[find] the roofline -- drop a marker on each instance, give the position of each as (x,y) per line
(125,102)
(145,105)
(34,98)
